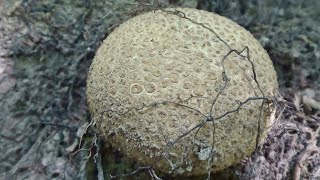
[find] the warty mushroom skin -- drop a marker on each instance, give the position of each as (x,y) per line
(156,76)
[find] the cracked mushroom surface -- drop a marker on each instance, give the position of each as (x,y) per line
(159,75)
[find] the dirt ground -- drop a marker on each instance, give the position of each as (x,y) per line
(46,48)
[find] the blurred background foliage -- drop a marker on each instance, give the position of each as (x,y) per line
(54,50)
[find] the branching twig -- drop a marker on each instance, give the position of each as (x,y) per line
(93,143)
(97,159)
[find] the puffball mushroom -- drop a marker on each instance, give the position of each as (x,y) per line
(164,88)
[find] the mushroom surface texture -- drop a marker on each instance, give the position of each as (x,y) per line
(183,90)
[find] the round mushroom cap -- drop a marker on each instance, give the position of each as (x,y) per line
(183,90)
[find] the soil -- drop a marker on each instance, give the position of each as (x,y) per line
(47,46)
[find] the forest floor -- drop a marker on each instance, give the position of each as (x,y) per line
(42,125)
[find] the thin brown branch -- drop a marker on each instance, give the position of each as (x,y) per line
(188,132)
(240,105)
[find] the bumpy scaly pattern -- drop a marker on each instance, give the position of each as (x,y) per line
(156,76)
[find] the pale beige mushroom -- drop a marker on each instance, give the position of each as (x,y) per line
(156,77)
